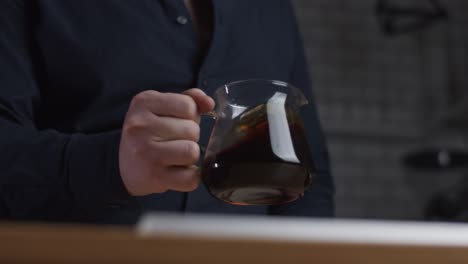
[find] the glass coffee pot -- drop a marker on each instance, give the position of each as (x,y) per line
(258,152)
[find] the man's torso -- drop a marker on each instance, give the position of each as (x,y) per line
(94,56)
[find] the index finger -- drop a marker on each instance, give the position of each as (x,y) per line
(168,104)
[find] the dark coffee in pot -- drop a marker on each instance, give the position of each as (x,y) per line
(247,171)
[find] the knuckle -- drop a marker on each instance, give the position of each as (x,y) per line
(134,124)
(187,107)
(143,98)
(140,98)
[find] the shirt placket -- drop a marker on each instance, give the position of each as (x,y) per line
(182,29)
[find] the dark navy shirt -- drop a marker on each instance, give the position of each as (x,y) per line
(68,70)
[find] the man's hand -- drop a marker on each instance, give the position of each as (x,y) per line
(158,148)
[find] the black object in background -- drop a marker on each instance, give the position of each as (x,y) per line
(396,19)
(436,158)
(449,204)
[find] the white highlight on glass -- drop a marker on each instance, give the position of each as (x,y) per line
(280,136)
(237,110)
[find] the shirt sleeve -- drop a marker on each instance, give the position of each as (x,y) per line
(45,174)
(318,200)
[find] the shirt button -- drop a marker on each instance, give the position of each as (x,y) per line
(182,20)
(205,83)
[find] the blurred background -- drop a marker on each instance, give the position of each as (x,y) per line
(390,79)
